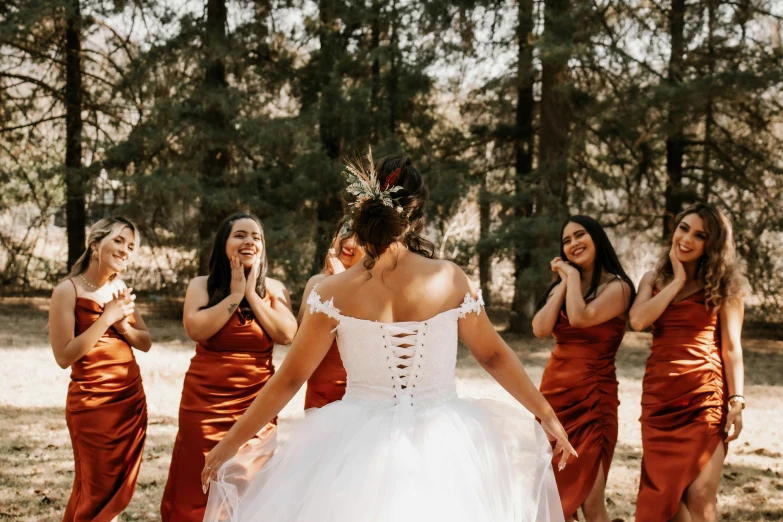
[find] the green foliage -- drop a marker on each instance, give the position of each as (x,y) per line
(187,119)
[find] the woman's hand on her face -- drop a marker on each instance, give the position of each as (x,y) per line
(333,264)
(252,279)
(238,279)
(678,269)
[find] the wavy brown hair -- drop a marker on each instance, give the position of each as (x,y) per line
(378,226)
(719,269)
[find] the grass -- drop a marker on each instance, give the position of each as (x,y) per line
(36,467)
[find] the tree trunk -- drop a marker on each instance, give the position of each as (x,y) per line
(375,70)
(485,256)
(393,73)
(330,207)
(217,156)
(555,109)
(75,190)
(675,137)
(708,113)
(523,146)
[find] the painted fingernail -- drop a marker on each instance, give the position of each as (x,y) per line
(204,489)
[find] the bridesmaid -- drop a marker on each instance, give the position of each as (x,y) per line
(93,325)
(586,311)
(327,384)
(235,315)
(692,389)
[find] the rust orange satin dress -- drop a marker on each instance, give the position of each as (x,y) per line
(683,405)
(106,412)
(327,384)
(224,377)
(579,383)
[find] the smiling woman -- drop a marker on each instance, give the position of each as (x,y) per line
(328,382)
(93,328)
(692,390)
(235,315)
(585,309)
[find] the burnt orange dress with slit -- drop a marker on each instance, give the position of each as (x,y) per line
(106,413)
(683,405)
(225,375)
(328,381)
(579,383)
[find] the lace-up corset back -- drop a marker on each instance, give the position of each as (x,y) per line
(394,363)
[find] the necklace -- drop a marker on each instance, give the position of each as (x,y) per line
(91,286)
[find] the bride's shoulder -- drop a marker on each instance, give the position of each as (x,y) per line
(450,281)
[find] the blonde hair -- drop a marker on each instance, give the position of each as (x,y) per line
(719,269)
(102,231)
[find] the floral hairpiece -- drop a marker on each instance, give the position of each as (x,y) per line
(363,184)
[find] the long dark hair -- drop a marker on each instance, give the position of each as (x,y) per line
(219,280)
(606,260)
(377,225)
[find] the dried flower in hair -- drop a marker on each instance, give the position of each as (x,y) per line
(363,184)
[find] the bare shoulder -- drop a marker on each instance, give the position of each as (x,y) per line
(64,291)
(197,288)
(617,283)
(328,286)
(275,286)
(450,282)
(315,280)
(648,279)
(198,283)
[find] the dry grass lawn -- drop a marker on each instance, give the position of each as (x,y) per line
(36,460)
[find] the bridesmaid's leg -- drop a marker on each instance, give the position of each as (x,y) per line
(701,497)
(682,514)
(594,507)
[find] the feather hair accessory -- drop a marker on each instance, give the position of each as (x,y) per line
(363,184)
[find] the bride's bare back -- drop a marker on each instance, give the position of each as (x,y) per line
(402,286)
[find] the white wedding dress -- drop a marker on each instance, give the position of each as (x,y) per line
(400,446)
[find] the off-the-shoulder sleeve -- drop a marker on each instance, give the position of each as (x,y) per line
(317,305)
(471,304)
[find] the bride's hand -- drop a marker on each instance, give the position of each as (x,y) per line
(219,455)
(556,432)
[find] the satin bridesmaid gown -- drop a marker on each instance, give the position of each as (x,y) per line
(106,413)
(579,383)
(225,375)
(683,405)
(327,384)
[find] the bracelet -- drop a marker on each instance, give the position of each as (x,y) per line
(737,398)
(126,331)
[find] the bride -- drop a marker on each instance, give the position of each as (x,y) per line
(400,446)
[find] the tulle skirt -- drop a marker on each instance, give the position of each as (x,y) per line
(461,460)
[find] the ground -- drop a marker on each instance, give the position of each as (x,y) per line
(36,466)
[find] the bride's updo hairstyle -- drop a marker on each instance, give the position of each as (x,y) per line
(377,225)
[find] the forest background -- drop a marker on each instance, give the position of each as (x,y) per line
(176,113)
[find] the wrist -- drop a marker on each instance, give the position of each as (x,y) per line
(236,296)
(737,401)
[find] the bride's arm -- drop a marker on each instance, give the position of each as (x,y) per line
(495,356)
(307,350)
